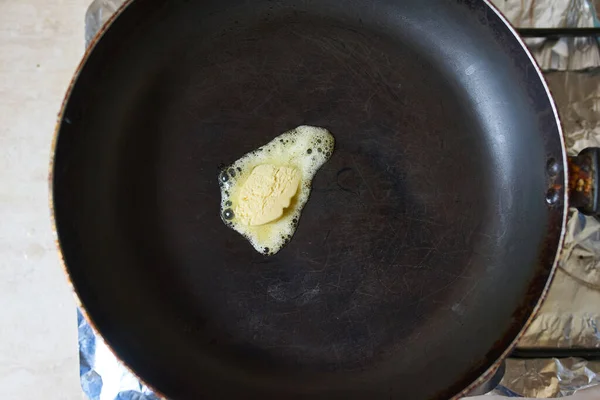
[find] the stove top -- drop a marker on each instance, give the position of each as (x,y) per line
(560,352)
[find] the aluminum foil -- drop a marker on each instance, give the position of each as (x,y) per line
(97,14)
(103,377)
(564,53)
(571,314)
(548,378)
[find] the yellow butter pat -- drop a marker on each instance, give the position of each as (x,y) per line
(266,193)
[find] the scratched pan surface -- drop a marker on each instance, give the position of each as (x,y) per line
(422,251)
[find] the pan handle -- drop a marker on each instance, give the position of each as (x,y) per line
(583,181)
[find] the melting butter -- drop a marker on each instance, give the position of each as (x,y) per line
(263,193)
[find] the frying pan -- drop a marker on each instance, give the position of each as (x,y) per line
(430,236)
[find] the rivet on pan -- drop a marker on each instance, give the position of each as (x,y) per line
(552,167)
(552,196)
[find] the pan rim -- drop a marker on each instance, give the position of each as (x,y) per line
(486,375)
(61,258)
(483,377)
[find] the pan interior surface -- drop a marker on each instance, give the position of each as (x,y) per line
(422,250)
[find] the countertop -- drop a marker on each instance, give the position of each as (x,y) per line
(41,42)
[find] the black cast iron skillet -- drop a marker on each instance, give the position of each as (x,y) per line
(428,240)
